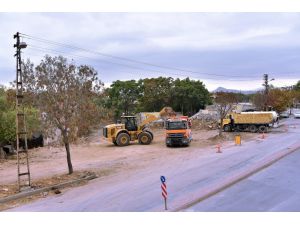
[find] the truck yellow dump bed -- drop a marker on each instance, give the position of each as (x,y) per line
(252,118)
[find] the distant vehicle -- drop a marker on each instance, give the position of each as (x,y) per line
(284,114)
(297,115)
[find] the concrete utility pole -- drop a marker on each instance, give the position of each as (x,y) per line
(266,93)
(21,132)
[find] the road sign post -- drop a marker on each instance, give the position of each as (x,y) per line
(164,190)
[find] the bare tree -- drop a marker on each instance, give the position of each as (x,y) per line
(224,102)
(258,100)
(64,93)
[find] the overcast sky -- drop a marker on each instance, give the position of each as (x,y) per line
(232,50)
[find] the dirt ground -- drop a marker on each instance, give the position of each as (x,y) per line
(95,155)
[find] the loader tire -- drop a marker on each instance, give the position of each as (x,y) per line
(123,139)
(145,138)
(150,134)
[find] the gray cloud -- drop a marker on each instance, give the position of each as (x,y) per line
(237,45)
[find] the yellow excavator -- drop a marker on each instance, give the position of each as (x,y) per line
(128,128)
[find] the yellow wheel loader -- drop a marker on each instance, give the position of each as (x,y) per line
(128,129)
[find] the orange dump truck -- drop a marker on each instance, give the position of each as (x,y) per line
(178,131)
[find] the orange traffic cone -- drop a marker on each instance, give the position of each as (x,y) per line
(218,148)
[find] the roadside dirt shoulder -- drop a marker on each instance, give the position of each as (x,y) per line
(48,164)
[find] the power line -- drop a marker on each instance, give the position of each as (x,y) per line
(46,50)
(120,58)
(227,77)
(133,75)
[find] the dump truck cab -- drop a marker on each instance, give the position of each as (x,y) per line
(228,123)
(178,131)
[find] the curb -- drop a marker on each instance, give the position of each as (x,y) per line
(211,190)
(40,190)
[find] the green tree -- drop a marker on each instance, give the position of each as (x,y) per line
(188,96)
(156,93)
(297,86)
(8,126)
(152,94)
(123,97)
(8,117)
(101,101)
(2,99)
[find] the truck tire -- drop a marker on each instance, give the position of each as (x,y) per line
(227,128)
(239,128)
(262,129)
(252,128)
(123,139)
(145,138)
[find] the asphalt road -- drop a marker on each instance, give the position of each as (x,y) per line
(276,188)
(186,177)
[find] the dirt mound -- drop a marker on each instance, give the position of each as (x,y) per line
(204,125)
(219,138)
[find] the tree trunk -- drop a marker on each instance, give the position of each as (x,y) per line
(182,109)
(2,154)
(67,146)
(221,127)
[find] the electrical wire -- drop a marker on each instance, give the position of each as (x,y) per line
(226,77)
(46,50)
(30,37)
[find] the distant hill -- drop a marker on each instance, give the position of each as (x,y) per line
(247,92)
